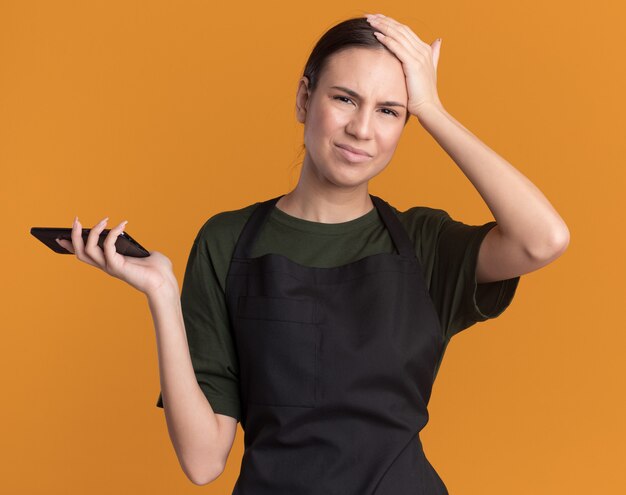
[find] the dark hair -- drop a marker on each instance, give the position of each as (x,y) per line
(355,32)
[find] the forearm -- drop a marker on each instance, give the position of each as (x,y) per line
(191,422)
(523,213)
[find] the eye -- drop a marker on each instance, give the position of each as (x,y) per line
(393,112)
(346,100)
(339,98)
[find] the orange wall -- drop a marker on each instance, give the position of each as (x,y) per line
(165,113)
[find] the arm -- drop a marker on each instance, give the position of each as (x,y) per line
(530,233)
(202,439)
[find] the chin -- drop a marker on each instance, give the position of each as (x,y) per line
(349,175)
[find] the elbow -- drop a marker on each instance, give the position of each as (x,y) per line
(559,242)
(205,476)
(554,247)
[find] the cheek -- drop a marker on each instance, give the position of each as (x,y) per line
(389,141)
(330,121)
(322,126)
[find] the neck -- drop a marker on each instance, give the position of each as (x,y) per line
(326,206)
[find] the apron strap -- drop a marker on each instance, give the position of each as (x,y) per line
(252,227)
(398,233)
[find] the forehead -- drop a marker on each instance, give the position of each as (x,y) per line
(367,71)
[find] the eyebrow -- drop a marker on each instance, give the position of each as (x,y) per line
(356,95)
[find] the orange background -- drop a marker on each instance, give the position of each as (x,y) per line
(165,113)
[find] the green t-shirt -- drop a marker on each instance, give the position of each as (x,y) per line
(447,250)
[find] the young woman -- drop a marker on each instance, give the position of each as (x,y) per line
(319,318)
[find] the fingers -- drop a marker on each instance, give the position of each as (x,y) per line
(403,28)
(91,248)
(64,243)
(109,245)
(90,251)
(78,244)
(389,26)
(399,48)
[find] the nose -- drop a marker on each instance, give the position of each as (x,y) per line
(360,125)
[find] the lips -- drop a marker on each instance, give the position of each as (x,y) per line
(354,150)
(351,157)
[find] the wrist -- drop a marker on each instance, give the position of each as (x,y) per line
(167,291)
(429,109)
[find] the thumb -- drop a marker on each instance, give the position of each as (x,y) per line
(436,46)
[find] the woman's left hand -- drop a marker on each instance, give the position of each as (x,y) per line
(419,61)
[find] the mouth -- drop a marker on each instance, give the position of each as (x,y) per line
(356,151)
(352,156)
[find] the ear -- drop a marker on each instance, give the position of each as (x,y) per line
(302,99)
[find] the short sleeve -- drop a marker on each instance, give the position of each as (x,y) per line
(459,299)
(207,326)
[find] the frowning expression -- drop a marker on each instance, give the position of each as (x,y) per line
(354,118)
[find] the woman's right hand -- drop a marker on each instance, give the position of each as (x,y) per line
(147,275)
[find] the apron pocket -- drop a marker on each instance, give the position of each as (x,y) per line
(277,343)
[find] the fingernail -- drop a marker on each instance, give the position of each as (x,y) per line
(75,220)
